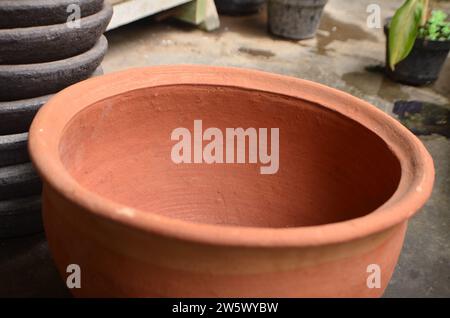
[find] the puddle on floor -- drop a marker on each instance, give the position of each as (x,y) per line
(256,52)
(374,83)
(254,25)
(424,118)
(339,31)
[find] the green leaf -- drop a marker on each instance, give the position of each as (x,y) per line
(403,30)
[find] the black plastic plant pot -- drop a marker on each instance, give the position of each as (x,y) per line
(238,7)
(295,19)
(423,64)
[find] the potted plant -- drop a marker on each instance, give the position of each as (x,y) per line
(418,43)
(295,19)
(238,7)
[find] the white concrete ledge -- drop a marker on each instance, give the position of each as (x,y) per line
(127,11)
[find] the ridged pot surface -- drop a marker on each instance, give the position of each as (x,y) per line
(16,116)
(52,42)
(29,13)
(32,80)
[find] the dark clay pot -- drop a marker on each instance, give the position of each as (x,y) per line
(19,217)
(13,149)
(27,13)
(423,64)
(53,42)
(19,181)
(238,7)
(32,80)
(16,116)
(295,19)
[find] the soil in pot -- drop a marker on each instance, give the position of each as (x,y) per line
(423,64)
(13,149)
(348,178)
(295,19)
(32,80)
(28,13)
(19,181)
(238,7)
(52,42)
(19,217)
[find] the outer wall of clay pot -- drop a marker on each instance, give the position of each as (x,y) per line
(20,217)
(13,149)
(16,116)
(32,80)
(118,261)
(31,45)
(28,13)
(297,20)
(112,241)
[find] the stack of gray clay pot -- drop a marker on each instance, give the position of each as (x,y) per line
(45,46)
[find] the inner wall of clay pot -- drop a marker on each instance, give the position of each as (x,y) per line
(331,168)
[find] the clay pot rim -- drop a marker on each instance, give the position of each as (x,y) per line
(417,170)
(25,33)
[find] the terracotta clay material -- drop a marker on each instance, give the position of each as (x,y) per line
(20,217)
(27,13)
(32,80)
(19,181)
(13,149)
(16,116)
(52,42)
(349,178)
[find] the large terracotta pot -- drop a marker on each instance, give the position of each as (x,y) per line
(138,224)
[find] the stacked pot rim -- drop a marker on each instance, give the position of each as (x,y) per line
(45,46)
